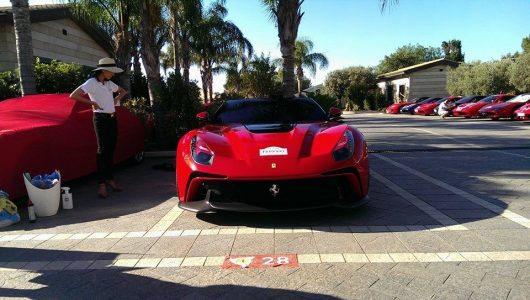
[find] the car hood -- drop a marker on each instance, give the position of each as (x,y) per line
(280,141)
(499,105)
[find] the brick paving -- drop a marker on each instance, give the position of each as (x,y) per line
(449,224)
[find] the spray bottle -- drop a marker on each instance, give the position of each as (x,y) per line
(67,198)
(31,212)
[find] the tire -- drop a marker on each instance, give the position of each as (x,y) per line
(138,157)
(495,119)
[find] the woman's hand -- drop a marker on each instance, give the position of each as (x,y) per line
(95,105)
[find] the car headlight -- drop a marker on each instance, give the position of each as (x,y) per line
(200,151)
(344,147)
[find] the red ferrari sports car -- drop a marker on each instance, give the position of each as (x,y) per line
(42,133)
(428,108)
(470,110)
(522,113)
(271,155)
(504,110)
(394,108)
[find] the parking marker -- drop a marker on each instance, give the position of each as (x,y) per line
(355,258)
(98,235)
(216,261)
(225,231)
(148,263)
(61,236)
(173,233)
(424,206)
(488,205)
(168,219)
(135,234)
(379,257)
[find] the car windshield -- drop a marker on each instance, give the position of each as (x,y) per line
(466,100)
(520,99)
(264,111)
(488,99)
(429,100)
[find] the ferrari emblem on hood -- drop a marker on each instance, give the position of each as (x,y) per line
(270,151)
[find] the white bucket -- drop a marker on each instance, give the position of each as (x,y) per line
(45,201)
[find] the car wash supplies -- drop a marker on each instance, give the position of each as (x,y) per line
(67,198)
(31,212)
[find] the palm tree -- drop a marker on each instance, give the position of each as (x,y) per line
(184,15)
(287,16)
(25,58)
(216,41)
(116,18)
(303,58)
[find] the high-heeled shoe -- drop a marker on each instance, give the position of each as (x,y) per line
(102,191)
(112,184)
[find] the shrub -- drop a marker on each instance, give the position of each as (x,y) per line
(142,109)
(9,87)
(326,101)
(59,77)
(177,105)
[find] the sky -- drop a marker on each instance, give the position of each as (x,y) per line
(357,33)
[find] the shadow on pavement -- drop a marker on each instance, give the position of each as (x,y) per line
(128,283)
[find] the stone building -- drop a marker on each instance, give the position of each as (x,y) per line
(427,79)
(58,33)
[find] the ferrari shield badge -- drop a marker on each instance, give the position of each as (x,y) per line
(270,151)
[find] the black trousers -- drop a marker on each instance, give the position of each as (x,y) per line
(106,128)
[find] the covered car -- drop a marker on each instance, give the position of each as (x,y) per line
(409,109)
(42,133)
(394,108)
(505,109)
(271,155)
(470,110)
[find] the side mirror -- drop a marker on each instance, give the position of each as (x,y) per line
(335,113)
(202,116)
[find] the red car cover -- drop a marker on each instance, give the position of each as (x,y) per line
(41,133)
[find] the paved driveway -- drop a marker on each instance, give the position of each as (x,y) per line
(449,219)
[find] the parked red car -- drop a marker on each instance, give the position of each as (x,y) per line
(522,113)
(394,108)
(42,133)
(428,108)
(257,154)
(504,110)
(470,110)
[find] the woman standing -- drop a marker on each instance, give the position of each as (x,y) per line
(100,91)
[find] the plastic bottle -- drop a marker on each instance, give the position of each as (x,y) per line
(31,212)
(67,198)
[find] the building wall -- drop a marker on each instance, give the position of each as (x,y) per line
(8,54)
(395,88)
(429,82)
(50,42)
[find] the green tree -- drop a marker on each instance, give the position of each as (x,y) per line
(453,50)
(304,58)
(355,85)
(260,78)
(22,25)
(519,73)
(525,44)
(406,56)
(481,78)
